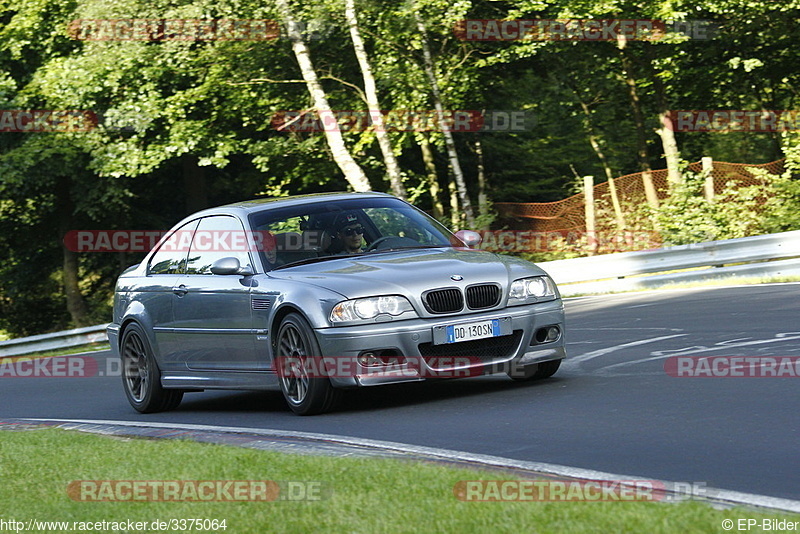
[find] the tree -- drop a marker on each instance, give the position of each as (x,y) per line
(352,171)
(373,104)
(455,165)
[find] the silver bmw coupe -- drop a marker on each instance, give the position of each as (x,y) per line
(315,294)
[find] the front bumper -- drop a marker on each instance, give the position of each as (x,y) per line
(420,359)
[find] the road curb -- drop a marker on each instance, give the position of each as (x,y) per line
(329,444)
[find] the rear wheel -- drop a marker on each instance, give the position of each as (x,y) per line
(535,371)
(141,377)
(306,388)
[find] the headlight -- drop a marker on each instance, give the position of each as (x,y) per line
(370,308)
(531,289)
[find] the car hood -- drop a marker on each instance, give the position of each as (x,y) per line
(409,272)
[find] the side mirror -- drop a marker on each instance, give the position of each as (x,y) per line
(469,238)
(230,265)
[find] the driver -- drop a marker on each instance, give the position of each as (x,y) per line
(349,232)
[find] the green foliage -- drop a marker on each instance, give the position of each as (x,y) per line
(687,217)
(782,211)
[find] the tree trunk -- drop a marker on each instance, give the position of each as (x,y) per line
(194,184)
(353,173)
(483,200)
(455,216)
(612,186)
(665,131)
(385,144)
(641,136)
(76,304)
(448,135)
(670,145)
(433,178)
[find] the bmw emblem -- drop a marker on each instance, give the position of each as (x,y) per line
(456,277)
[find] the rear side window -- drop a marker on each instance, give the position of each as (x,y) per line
(171,255)
(217,237)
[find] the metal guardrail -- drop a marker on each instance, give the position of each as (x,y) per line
(765,255)
(54,341)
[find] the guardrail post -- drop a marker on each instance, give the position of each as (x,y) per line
(708,167)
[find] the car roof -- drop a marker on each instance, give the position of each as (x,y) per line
(249,206)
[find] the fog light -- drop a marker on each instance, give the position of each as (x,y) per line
(546,334)
(368,359)
(553,333)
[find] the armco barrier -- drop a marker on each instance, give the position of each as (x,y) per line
(54,341)
(765,255)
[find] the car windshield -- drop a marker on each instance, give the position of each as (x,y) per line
(329,229)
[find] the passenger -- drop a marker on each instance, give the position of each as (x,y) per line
(269,244)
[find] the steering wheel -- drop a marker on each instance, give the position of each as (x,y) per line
(374,245)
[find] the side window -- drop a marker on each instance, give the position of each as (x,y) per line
(217,237)
(171,255)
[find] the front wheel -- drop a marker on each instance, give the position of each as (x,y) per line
(141,377)
(304,383)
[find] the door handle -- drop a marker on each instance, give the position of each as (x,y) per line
(180,290)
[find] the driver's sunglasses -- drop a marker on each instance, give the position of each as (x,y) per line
(352,231)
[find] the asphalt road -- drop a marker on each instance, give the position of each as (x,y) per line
(611,407)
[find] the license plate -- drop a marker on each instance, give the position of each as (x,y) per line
(470,331)
(455,333)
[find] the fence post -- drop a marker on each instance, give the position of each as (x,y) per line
(591,235)
(708,167)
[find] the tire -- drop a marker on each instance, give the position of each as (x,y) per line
(297,352)
(536,371)
(141,378)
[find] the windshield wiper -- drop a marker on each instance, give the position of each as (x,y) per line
(410,247)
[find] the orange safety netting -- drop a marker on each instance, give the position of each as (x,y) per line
(569,214)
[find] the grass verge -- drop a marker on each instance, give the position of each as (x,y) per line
(360,495)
